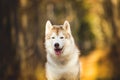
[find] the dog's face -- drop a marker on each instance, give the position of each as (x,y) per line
(57,37)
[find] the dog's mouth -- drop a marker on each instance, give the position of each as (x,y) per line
(58,51)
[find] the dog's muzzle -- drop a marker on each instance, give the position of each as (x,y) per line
(57,49)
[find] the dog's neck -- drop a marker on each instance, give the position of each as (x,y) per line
(63,60)
(60,60)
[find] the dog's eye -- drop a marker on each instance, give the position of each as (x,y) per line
(61,37)
(53,37)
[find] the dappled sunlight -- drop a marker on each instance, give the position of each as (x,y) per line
(23,3)
(40,72)
(24,21)
(96,65)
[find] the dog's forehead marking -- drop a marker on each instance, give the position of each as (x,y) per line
(57,29)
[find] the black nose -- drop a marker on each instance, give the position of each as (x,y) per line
(56,45)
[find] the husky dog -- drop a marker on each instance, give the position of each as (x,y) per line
(62,53)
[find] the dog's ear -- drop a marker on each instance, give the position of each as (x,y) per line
(48,26)
(66,26)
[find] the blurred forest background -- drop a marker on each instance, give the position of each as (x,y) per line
(95,26)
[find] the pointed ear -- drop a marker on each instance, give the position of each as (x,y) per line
(66,26)
(48,27)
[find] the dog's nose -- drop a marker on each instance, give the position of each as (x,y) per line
(56,45)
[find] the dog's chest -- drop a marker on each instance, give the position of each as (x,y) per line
(68,76)
(67,73)
(62,61)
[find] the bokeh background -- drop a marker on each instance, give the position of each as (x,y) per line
(95,26)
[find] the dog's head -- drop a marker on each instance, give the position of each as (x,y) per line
(57,38)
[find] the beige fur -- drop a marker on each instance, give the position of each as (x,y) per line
(64,66)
